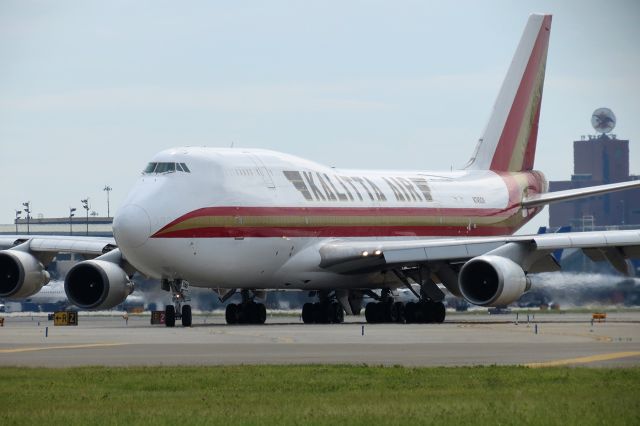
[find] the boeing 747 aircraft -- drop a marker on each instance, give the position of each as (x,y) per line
(246,221)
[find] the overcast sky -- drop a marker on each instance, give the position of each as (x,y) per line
(90,90)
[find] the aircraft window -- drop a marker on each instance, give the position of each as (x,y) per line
(150,168)
(166,167)
(185,168)
(178,167)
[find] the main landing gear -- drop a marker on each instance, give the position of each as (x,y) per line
(247,312)
(428,309)
(179,310)
(327,310)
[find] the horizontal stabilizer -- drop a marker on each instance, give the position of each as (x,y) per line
(572,194)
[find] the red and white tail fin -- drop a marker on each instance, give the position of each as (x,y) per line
(509,140)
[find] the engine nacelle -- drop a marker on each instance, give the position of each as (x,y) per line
(492,281)
(97,284)
(21,274)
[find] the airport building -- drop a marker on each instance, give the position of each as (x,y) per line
(598,160)
(95,226)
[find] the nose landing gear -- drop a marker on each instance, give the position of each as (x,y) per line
(179,310)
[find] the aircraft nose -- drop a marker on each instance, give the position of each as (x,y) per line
(131,226)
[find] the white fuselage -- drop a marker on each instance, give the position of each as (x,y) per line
(256,219)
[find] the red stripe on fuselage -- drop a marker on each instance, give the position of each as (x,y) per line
(499,228)
(336,231)
(346,211)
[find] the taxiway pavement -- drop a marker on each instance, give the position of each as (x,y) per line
(464,339)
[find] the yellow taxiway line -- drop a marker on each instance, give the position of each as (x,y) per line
(46,348)
(583,360)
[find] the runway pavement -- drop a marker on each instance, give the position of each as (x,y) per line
(464,339)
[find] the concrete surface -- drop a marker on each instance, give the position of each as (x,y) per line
(464,339)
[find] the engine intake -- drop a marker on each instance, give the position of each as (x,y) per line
(492,281)
(97,284)
(21,274)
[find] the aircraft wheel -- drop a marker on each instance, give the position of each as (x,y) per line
(307,313)
(319,313)
(410,312)
(370,312)
(231,313)
(250,311)
(428,308)
(335,314)
(391,312)
(186,316)
(170,316)
(439,312)
(397,312)
(339,314)
(261,313)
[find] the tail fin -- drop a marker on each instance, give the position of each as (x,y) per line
(509,140)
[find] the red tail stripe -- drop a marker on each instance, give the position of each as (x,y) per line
(504,150)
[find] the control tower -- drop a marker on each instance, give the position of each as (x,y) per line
(597,160)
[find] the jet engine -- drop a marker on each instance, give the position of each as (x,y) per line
(492,281)
(97,284)
(21,274)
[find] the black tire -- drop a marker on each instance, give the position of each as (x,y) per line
(439,312)
(261,313)
(398,312)
(371,312)
(307,313)
(170,316)
(427,308)
(231,313)
(247,313)
(421,313)
(339,319)
(392,311)
(410,312)
(319,313)
(186,316)
(335,314)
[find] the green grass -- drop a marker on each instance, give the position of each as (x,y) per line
(336,395)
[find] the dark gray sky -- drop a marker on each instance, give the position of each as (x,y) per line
(89,90)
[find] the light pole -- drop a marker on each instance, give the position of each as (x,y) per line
(27,210)
(18,212)
(71,215)
(108,189)
(85,205)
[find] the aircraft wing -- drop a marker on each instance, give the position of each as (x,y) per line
(532,252)
(49,244)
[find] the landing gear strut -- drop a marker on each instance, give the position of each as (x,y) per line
(179,310)
(247,312)
(327,310)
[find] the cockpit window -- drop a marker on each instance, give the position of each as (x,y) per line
(166,168)
(150,168)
